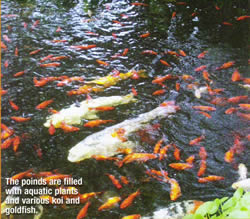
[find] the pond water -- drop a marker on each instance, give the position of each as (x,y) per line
(114,26)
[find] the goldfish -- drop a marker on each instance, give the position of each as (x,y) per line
(6,63)
(139,4)
(110,203)
(182,53)
(226,65)
(16,51)
(244,115)
(18,74)
(40,83)
(174,14)
(231,110)
(197,140)
(83,47)
(102,62)
(221,101)
(114,181)
(58,58)
(204,108)
(244,106)
(35,52)
(83,212)
(68,128)
(202,55)
(125,51)
(102,108)
(175,190)
(16,142)
(124,180)
(203,167)
(206,75)
(21,175)
(128,201)
(7,143)
(176,152)
(125,150)
(190,159)
(68,80)
(181,166)
(236,76)
(227,23)
(158,146)
(159,92)
(205,114)
(236,99)
(44,104)
(86,196)
(151,52)
(117,22)
(203,153)
(3,46)
(50,65)
(13,105)
(96,123)
(132,216)
(141,157)
(52,129)
(145,35)
(187,77)
(164,63)
(101,157)
(229,156)
(163,151)
(160,80)
(20,119)
(201,68)
(59,41)
(177,86)
(242,17)
(134,91)
(3,92)
(210,178)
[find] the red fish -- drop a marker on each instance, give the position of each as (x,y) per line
(145,35)
(114,35)
(182,53)
(174,14)
(18,74)
(103,108)
(139,4)
(125,51)
(13,105)
(197,140)
(202,55)
(204,108)
(231,110)
(165,63)
(151,52)
(217,8)
(180,166)
(177,86)
(237,99)
(83,47)
(202,169)
(128,201)
(7,143)
(68,128)
(236,76)
(227,23)
(3,46)
(16,142)
(134,91)
(100,62)
(210,178)
(38,151)
(226,65)
(201,68)
(205,114)
(52,129)
(35,52)
(242,17)
(35,23)
(117,22)
(6,64)
(114,181)
(46,58)
(96,123)
(50,65)
(20,119)
(44,104)
(159,92)
(83,212)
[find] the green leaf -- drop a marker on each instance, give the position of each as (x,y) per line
(229,204)
(245,200)
(204,208)
(223,199)
(214,206)
(198,216)
(189,216)
(238,193)
(239,214)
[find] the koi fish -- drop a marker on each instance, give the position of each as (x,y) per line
(159,92)
(114,181)
(164,63)
(128,201)
(175,190)
(160,80)
(102,158)
(205,114)
(177,86)
(203,153)
(202,169)
(145,35)
(68,128)
(202,55)
(229,155)
(132,216)
(35,52)
(180,166)
(139,157)
(150,52)
(190,159)
(20,119)
(102,62)
(200,68)
(13,105)
(83,47)
(83,212)
(197,140)
(86,196)
(231,110)
(242,17)
(163,151)
(44,104)
(236,76)
(244,115)
(16,142)
(139,4)
(158,146)
(210,178)
(182,53)
(18,74)
(3,46)
(7,143)
(50,65)
(174,14)
(244,106)
(124,180)
(176,152)
(227,23)
(96,123)
(236,99)
(68,80)
(204,108)
(226,65)
(125,51)
(206,76)
(217,8)
(58,58)
(52,129)
(110,203)
(21,175)
(102,108)
(16,51)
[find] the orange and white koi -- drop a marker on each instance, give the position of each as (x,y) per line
(96,123)
(110,203)
(44,104)
(128,201)
(210,178)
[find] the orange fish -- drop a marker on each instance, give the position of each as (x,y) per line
(177,86)
(204,108)
(52,129)
(237,99)
(227,23)
(86,196)
(202,55)
(221,101)
(6,64)
(16,51)
(244,115)
(101,157)
(18,74)
(96,123)
(83,212)
(145,35)
(35,52)
(176,152)
(203,153)
(50,65)
(201,68)
(117,22)
(229,156)
(226,65)
(114,35)
(159,92)
(190,159)
(160,80)
(216,7)
(163,151)
(158,146)
(110,203)
(175,191)
(244,106)
(46,58)
(174,14)
(83,47)
(3,46)
(6,38)
(180,166)
(40,83)
(203,167)
(139,4)
(38,151)
(197,140)
(68,128)
(125,150)
(242,17)
(231,110)
(134,91)
(59,41)
(103,108)
(246,80)
(124,180)
(210,178)
(114,181)
(56,176)
(21,175)
(205,114)
(151,52)
(132,216)
(44,104)
(13,105)
(125,51)
(35,23)
(128,201)
(16,142)
(164,63)
(58,58)
(20,119)
(236,76)
(182,53)
(206,76)
(141,157)
(102,62)
(7,143)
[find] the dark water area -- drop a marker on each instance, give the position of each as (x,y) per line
(32,25)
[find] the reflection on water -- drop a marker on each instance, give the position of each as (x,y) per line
(114,26)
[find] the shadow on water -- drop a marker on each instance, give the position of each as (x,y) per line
(95,22)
